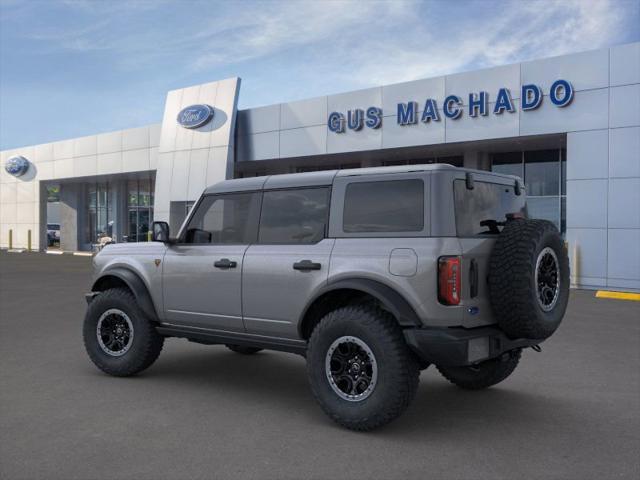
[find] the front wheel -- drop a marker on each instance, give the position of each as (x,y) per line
(483,375)
(118,337)
(361,372)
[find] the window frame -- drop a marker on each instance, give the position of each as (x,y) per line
(340,184)
(180,239)
(325,233)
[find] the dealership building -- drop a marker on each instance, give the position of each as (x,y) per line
(569,126)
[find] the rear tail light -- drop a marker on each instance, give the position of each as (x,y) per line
(449,280)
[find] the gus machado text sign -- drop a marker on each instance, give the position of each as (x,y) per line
(560,95)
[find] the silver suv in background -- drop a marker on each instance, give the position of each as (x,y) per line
(371,274)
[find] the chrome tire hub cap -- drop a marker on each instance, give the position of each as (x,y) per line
(351,368)
(114,332)
(547,279)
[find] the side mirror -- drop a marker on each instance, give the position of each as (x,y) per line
(160,232)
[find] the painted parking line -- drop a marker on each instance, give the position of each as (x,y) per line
(618,295)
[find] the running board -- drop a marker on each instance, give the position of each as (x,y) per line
(215,337)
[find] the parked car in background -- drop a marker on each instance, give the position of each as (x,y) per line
(53,234)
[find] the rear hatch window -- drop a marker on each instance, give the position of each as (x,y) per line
(487,203)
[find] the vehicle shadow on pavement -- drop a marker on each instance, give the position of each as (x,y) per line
(443,410)
(439,409)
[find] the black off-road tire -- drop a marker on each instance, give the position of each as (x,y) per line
(512,279)
(398,370)
(243,349)
(483,375)
(145,346)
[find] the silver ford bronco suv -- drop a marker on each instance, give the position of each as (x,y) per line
(371,274)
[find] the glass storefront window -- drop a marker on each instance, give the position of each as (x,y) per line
(132,193)
(100,216)
(509,163)
(542,172)
(53,193)
(546,208)
(144,193)
(544,175)
(563,171)
(140,209)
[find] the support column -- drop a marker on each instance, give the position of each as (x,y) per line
(70,213)
(477,160)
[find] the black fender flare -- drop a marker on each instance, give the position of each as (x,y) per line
(135,284)
(387,296)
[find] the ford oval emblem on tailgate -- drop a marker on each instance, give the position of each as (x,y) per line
(195,116)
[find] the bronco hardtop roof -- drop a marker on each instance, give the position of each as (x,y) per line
(325,177)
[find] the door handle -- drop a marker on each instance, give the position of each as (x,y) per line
(306,265)
(225,263)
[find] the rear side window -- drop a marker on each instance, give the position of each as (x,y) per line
(294,216)
(384,206)
(486,202)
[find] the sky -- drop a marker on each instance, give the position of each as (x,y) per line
(70,68)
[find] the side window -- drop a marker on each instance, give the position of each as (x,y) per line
(294,216)
(384,206)
(222,219)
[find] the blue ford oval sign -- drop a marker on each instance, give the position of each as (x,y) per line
(16,166)
(195,116)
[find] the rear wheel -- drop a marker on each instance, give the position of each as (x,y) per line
(361,372)
(243,349)
(118,337)
(483,375)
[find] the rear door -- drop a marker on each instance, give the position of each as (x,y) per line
(289,262)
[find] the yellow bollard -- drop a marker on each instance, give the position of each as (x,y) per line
(29,240)
(10,239)
(149,236)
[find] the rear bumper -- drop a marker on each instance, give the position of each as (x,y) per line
(460,346)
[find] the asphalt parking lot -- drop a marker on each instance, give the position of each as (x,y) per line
(570,412)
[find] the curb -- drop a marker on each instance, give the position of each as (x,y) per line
(634,297)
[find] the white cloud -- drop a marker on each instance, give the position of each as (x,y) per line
(521,31)
(287,26)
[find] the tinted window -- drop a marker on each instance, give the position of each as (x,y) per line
(384,206)
(294,216)
(223,219)
(487,201)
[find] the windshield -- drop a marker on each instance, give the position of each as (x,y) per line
(481,210)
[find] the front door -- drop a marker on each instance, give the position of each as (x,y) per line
(202,272)
(289,262)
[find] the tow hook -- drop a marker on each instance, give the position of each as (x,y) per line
(536,348)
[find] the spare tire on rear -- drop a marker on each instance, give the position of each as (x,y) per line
(529,279)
